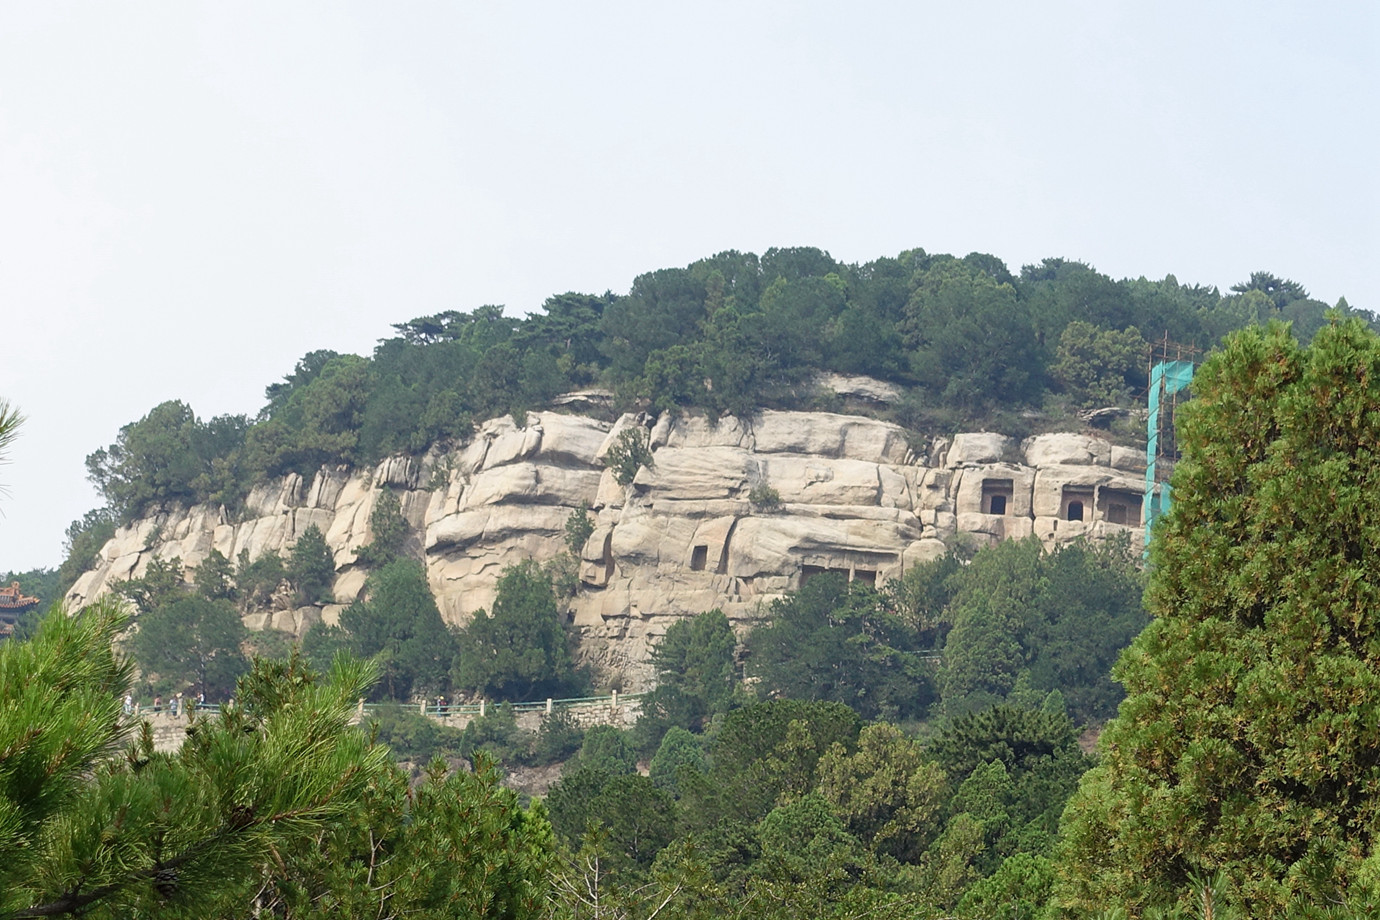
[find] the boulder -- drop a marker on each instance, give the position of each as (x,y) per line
(703,473)
(857,387)
(760,545)
(568,439)
(584,400)
(330,614)
(824,434)
(326,487)
(398,473)
(936,490)
(1093,487)
(696,431)
(1066,449)
(508,484)
(923,551)
(624,423)
(823,481)
(509,443)
(978,488)
(1128,459)
(974,448)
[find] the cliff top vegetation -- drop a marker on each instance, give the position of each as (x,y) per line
(966,340)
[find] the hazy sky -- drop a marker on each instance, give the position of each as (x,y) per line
(194,195)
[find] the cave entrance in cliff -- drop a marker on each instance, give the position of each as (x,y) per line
(699,558)
(997,495)
(808,572)
(866,576)
(1076,503)
(1120,506)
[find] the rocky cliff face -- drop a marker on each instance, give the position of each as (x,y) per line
(683,537)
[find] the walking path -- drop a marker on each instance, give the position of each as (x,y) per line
(619,709)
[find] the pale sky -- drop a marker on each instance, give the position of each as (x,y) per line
(193,195)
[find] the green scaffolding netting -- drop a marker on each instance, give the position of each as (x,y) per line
(1166,379)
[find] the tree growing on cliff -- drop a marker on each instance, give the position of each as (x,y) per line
(399,626)
(1099,367)
(169,455)
(578,528)
(313,423)
(311,566)
(215,577)
(162,583)
(84,539)
(973,341)
(520,652)
(628,454)
(389,528)
(256,582)
(1247,741)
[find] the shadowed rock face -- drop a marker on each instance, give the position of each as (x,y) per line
(683,536)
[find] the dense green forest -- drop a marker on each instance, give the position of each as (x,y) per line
(774,796)
(850,778)
(912,751)
(968,340)
(1238,779)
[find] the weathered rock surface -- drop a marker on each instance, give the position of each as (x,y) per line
(862,389)
(683,537)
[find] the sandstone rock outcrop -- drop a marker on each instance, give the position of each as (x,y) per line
(684,536)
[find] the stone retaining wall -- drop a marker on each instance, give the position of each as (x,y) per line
(169,732)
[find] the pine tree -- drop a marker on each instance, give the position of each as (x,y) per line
(85,829)
(453,845)
(695,677)
(311,567)
(399,626)
(193,640)
(835,640)
(520,652)
(1249,741)
(389,528)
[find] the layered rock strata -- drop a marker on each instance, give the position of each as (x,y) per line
(835,493)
